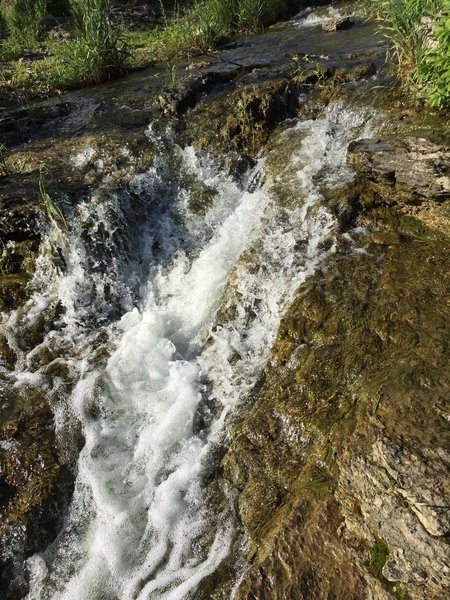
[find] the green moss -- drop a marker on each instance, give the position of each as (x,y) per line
(201,195)
(355,355)
(415,227)
(32,467)
(254,111)
(201,198)
(380,555)
(400,591)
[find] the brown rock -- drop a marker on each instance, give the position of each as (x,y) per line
(338,24)
(12,290)
(387,238)
(409,171)
(342,461)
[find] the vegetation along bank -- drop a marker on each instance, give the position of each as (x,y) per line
(48,46)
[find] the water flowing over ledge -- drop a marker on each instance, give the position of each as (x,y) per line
(166,319)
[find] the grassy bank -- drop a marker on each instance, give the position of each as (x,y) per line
(48,46)
(205,24)
(419,31)
(53,45)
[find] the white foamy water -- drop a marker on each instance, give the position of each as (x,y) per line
(156,371)
(313,17)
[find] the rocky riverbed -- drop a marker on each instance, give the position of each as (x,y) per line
(338,455)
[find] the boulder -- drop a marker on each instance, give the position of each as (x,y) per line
(410,170)
(338,24)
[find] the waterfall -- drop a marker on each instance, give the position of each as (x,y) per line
(165,320)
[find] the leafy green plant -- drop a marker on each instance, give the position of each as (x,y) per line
(434,69)
(308,72)
(402,25)
(422,56)
(174,76)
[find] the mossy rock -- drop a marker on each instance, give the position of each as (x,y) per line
(12,290)
(247,116)
(356,357)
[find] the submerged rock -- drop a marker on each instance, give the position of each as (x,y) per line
(35,484)
(19,238)
(11,290)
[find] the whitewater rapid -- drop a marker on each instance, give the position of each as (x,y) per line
(166,321)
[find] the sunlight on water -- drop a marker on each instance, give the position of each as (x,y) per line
(139,331)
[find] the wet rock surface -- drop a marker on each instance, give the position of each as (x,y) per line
(414,169)
(341,464)
(36,484)
(345,444)
(338,24)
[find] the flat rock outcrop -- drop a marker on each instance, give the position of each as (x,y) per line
(342,464)
(415,169)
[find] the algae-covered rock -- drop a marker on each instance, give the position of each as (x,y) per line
(12,290)
(255,110)
(347,442)
(178,99)
(35,483)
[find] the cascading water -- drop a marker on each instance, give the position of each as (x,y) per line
(166,319)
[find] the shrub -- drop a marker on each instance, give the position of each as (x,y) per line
(423,57)
(434,70)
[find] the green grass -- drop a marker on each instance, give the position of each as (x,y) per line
(98,50)
(204,25)
(33,65)
(423,55)
(24,17)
